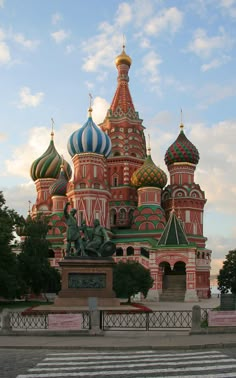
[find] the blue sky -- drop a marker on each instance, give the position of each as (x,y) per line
(54,53)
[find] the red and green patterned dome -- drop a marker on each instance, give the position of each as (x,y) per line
(149,175)
(48,165)
(59,187)
(182,151)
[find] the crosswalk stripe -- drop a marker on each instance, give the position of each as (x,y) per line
(128,365)
(127,353)
(127,357)
(134,353)
(119,364)
(124,372)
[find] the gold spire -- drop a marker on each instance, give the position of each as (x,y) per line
(181,120)
(90,106)
(29,209)
(149,146)
(52,132)
(62,163)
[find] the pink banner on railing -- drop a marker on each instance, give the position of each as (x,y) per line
(222,318)
(65,321)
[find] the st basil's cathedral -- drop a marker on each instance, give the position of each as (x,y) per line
(116,181)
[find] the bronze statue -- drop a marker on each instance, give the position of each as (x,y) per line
(95,243)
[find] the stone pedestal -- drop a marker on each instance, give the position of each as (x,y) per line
(85,277)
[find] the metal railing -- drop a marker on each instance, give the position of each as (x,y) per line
(22,321)
(146,320)
(149,321)
(113,320)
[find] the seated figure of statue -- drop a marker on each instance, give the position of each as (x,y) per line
(97,239)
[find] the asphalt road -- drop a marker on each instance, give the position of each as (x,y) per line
(40,363)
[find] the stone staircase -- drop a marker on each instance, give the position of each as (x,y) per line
(173,289)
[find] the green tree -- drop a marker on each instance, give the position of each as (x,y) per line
(11,284)
(35,268)
(227,275)
(130,278)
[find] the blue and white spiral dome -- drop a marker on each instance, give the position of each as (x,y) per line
(89,138)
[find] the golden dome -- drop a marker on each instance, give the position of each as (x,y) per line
(123,58)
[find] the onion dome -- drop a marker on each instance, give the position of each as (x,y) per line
(182,151)
(149,175)
(123,58)
(48,165)
(59,187)
(89,138)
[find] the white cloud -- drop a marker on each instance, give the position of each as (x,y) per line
(204,46)
(142,11)
(229,6)
(56,18)
(100,50)
(27,43)
(1,3)
(167,20)
(60,36)
(124,14)
(20,202)
(29,100)
(100,106)
(215,63)
(150,71)
(5,55)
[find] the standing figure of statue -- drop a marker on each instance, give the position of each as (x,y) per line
(73,232)
(98,237)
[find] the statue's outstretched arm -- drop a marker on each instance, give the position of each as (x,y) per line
(66,209)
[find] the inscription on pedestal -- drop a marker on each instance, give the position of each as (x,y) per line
(86,281)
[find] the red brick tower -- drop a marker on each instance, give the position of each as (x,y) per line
(183,193)
(89,193)
(45,171)
(125,129)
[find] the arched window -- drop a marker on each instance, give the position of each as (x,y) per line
(119,251)
(130,251)
(144,252)
(122,214)
(113,217)
(115,181)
